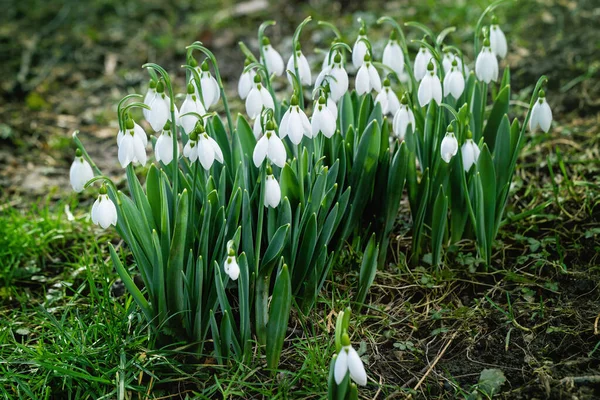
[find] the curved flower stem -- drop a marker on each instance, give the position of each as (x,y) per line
(334,28)
(194,73)
(398,28)
(488,10)
(295,45)
(213,60)
(167,79)
(261,34)
(119,111)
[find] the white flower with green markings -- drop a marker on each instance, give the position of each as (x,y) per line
(367,78)
(470,152)
(258,98)
(449,146)
(269,146)
(541,114)
(104,212)
(273,59)
(348,361)
(80,173)
(322,119)
(430,87)
(304,74)
(295,123)
(486,65)
(497,39)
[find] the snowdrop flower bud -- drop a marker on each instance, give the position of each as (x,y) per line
(470,152)
(273,59)
(132,144)
(163,150)
(541,114)
(430,87)
(191,104)
(486,66)
(322,119)
(454,82)
(304,73)
(210,87)
(367,78)
(80,172)
(449,146)
(104,212)
(258,98)
(149,97)
(393,56)
(272,190)
(422,61)
(269,146)
(403,117)
(160,109)
(497,39)
(231,267)
(295,123)
(246,81)
(359,51)
(388,99)
(348,360)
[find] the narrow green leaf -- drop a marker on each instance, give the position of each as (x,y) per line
(279,314)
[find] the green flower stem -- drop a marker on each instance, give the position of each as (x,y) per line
(488,10)
(259,225)
(295,44)
(334,28)
(213,60)
(261,34)
(120,112)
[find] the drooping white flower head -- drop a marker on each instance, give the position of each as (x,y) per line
(210,88)
(403,117)
(448,60)
(191,104)
(454,82)
(160,109)
(348,360)
(80,172)
(486,65)
(422,61)
(258,98)
(149,97)
(449,146)
(203,148)
(163,149)
(393,57)
(388,99)
(367,77)
(269,146)
(322,119)
(541,114)
(272,191)
(336,77)
(497,39)
(360,49)
(304,73)
(231,267)
(295,123)
(246,81)
(132,144)
(104,212)
(430,87)
(470,152)
(273,60)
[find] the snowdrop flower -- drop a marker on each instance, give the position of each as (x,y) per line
(269,146)
(246,81)
(304,73)
(393,56)
(367,78)
(104,212)
(359,51)
(258,98)
(160,109)
(272,190)
(163,150)
(336,77)
(132,144)
(210,87)
(430,87)
(486,66)
(497,39)
(80,172)
(322,119)
(422,61)
(388,99)
(273,60)
(454,82)
(449,146)
(470,152)
(348,360)
(541,114)
(295,123)
(149,97)
(191,104)
(403,117)
(202,147)
(448,60)
(231,267)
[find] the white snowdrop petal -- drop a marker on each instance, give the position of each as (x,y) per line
(359,51)
(393,57)
(276,151)
(296,131)
(382,99)
(328,123)
(216,149)
(284,126)
(266,99)
(273,60)
(356,367)
(332,107)
(260,151)
(363,84)
(374,78)
(436,89)
(126,150)
(206,153)
(141,133)
(341,366)
(425,93)
(254,103)
(393,103)
(139,150)
(272,192)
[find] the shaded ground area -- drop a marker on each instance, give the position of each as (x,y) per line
(533,315)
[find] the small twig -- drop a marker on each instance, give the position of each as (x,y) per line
(580,379)
(437,358)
